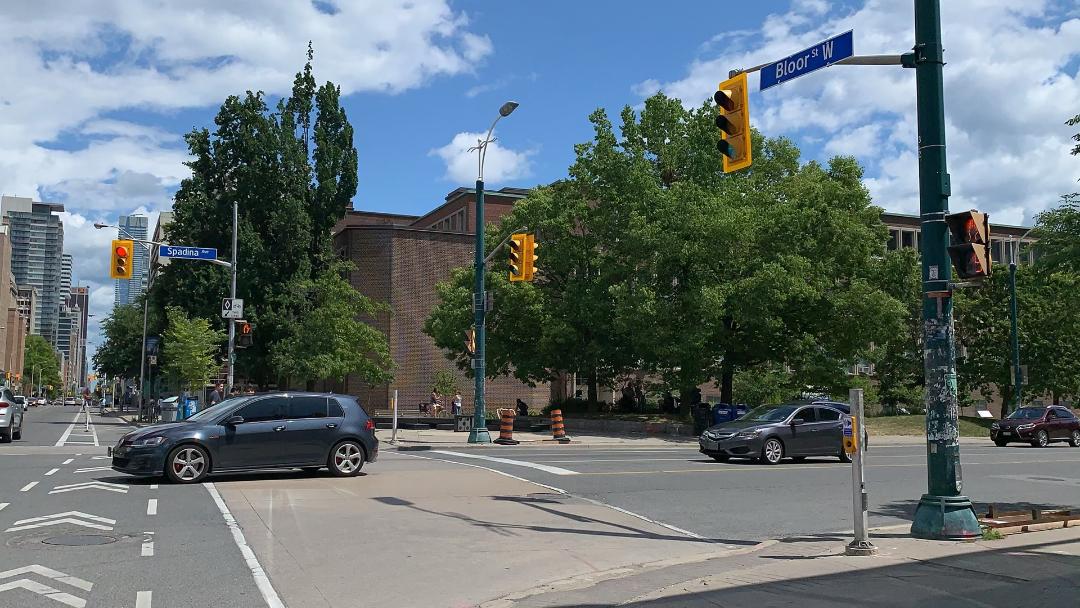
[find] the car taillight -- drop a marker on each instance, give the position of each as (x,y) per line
(369,425)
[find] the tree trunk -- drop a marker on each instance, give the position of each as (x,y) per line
(727,376)
(594,396)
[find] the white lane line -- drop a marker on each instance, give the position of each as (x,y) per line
(518,463)
(143,599)
(90,434)
(4,505)
(67,433)
(151,506)
(68,461)
(148,545)
(51,471)
(153,486)
(562,491)
(28,486)
(262,581)
(94,469)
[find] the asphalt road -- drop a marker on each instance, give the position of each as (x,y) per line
(119,542)
(741,501)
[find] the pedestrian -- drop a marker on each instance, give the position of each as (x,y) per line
(433,403)
(455,405)
(522,408)
(215,395)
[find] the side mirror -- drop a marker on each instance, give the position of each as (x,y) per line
(233,420)
(798,422)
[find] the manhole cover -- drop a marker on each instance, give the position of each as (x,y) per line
(80,540)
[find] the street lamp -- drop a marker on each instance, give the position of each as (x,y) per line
(1018,377)
(479,432)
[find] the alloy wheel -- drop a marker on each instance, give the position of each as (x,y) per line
(1042,439)
(188,464)
(1075,439)
(347,458)
(773,451)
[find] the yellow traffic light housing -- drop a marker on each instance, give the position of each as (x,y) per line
(969,247)
(518,257)
(121,266)
(733,102)
(530,256)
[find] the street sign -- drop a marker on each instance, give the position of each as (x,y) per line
(232,308)
(187,253)
(822,54)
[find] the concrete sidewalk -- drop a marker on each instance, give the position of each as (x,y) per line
(1035,569)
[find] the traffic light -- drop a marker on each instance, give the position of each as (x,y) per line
(970,243)
(470,341)
(530,256)
(121,267)
(244,335)
(518,257)
(733,102)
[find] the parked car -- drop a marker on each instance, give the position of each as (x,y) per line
(268,431)
(771,433)
(40,401)
(11,416)
(1039,426)
(72,401)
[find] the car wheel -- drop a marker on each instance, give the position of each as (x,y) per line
(346,459)
(17,434)
(772,452)
(187,464)
(844,456)
(5,435)
(1041,440)
(721,457)
(1074,439)
(1000,443)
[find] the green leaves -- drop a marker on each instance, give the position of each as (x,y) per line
(41,363)
(190,348)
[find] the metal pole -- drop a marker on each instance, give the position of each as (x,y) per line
(393,433)
(861,545)
(142,361)
(1018,377)
(232,322)
(479,432)
(943,512)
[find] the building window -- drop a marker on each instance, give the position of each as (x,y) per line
(907,239)
(894,239)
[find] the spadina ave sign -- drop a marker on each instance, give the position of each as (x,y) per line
(822,54)
(187,253)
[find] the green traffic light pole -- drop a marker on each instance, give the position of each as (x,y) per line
(1018,378)
(943,512)
(479,432)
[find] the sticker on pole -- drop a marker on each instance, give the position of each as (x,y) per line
(851,443)
(232,308)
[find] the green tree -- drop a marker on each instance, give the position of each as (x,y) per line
(1072,122)
(41,362)
(445,382)
(898,361)
(191,348)
(653,260)
(331,338)
(292,172)
(119,353)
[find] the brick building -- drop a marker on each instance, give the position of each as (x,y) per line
(400,259)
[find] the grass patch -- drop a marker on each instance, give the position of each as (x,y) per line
(991,534)
(915,426)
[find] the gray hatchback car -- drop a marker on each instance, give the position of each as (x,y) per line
(268,431)
(771,433)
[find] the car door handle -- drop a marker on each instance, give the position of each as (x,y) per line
(279,428)
(331,425)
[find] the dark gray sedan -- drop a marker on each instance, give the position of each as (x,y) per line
(771,433)
(268,431)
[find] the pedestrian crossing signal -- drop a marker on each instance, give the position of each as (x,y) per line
(733,103)
(970,243)
(244,334)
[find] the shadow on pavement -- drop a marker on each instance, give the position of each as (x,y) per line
(1027,575)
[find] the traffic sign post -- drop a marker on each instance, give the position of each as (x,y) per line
(822,54)
(232,308)
(853,433)
(184,252)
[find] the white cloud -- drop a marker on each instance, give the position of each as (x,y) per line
(1010,77)
(500,164)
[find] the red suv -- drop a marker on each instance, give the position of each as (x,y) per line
(1039,426)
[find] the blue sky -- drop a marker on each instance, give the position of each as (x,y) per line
(99,94)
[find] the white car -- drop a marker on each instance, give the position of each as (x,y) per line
(11,417)
(72,401)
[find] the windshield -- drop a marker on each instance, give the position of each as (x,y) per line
(770,413)
(218,408)
(1027,413)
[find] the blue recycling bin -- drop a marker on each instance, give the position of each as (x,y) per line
(723,412)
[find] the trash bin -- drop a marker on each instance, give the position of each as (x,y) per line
(700,414)
(463,423)
(169,412)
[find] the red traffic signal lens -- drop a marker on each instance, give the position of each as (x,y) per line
(122,251)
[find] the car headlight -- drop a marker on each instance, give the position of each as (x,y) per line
(148,442)
(995,426)
(749,434)
(1025,427)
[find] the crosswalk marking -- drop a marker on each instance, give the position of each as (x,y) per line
(76,518)
(90,485)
